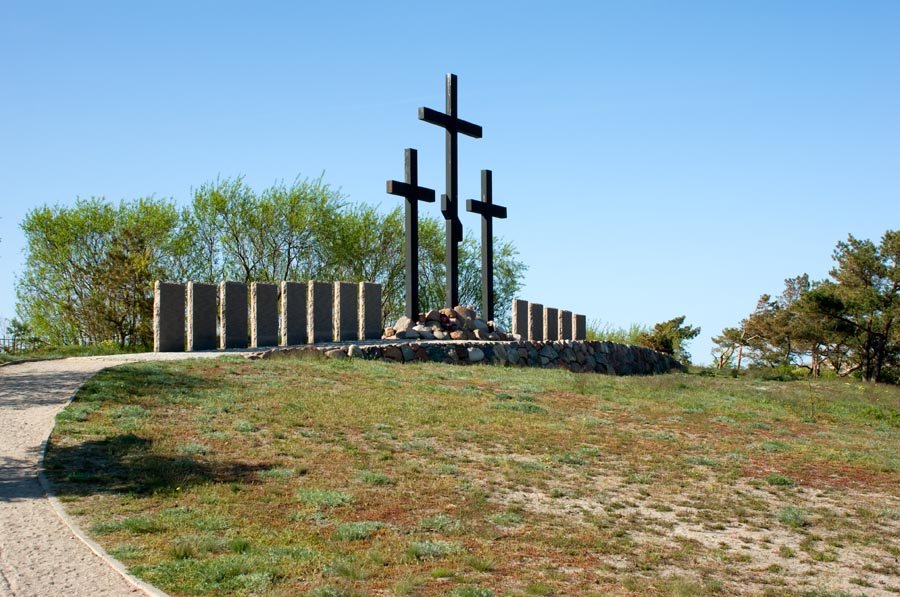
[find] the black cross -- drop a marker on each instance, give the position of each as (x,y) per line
(413,194)
(488,212)
(453,125)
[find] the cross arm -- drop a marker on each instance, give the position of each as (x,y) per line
(485,209)
(450,123)
(404,189)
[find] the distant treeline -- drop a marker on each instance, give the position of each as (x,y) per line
(90,268)
(847,324)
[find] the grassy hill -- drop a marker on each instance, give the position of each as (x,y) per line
(349,477)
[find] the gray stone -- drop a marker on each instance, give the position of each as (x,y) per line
(500,351)
(201,313)
(579,327)
(548,352)
(336,353)
(551,323)
(404,324)
(433,315)
(370,322)
(263,314)
(319,312)
(440,335)
(479,324)
(424,333)
(168,317)
(535,322)
(233,314)
(565,325)
(520,318)
(408,353)
(293,313)
(346,311)
(475,354)
(354,351)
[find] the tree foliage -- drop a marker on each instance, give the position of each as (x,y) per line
(670,337)
(847,323)
(90,268)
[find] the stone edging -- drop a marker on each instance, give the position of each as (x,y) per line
(67,520)
(577,356)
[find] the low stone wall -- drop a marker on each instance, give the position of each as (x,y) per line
(576,356)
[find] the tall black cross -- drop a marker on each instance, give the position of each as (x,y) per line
(453,125)
(488,212)
(413,194)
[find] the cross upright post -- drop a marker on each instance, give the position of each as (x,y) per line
(450,121)
(413,193)
(488,212)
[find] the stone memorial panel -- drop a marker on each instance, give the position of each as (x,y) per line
(551,323)
(233,315)
(520,318)
(579,327)
(370,327)
(201,313)
(346,311)
(535,322)
(263,314)
(319,310)
(168,317)
(293,313)
(565,325)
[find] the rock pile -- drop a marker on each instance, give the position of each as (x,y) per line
(458,323)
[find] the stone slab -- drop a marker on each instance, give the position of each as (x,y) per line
(233,315)
(370,322)
(293,313)
(520,318)
(168,317)
(551,323)
(319,312)
(565,325)
(579,327)
(263,314)
(201,313)
(535,322)
(345,325)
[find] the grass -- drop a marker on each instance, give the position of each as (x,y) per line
(352,477)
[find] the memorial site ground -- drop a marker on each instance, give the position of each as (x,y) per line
(347,477)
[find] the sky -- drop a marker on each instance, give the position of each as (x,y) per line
(657,159)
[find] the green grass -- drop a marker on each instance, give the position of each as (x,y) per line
(294,477)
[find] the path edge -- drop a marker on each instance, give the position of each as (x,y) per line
(57,507)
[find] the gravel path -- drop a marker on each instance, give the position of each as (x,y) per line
(40,554)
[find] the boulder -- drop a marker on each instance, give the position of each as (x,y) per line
(475,355)
(335,353)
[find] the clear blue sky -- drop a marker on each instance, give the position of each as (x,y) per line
(657,158)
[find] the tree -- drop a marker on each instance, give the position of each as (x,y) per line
(863,302)
(847,323)
(89,269)
(275,235)
(671,337)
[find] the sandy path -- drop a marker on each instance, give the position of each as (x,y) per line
(39,554)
